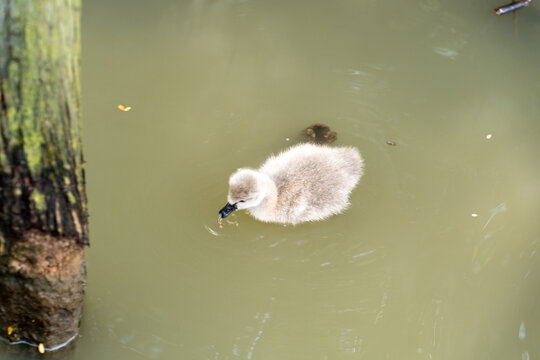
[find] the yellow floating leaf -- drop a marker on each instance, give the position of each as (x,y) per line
(489,136)
(9,330)
(41,349)
(474,215)
(124,108)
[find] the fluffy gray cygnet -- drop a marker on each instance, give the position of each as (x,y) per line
(306,182)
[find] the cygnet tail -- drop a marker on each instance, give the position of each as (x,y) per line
(352,161)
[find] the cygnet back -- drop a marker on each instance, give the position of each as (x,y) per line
(306,182)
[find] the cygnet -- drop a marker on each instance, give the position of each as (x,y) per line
(306,182)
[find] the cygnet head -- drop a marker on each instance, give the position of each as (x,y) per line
(246,190)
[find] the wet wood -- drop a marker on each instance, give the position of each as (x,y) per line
(43,206)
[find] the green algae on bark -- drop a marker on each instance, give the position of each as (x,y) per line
(41,161)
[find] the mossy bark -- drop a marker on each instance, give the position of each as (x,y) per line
(43,207)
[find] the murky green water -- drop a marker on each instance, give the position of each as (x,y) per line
(406,273)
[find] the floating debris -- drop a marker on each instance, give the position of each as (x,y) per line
(391,143)
(9,330)
(505,9)
(474,214)
(41,347)
(124,108)
(489,136)
(287,139)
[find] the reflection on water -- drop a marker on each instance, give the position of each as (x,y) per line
(405,273)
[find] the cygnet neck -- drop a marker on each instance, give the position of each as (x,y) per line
(268,204)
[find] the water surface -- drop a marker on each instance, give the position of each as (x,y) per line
(406,273)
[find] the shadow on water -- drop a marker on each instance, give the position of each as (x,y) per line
(529,15)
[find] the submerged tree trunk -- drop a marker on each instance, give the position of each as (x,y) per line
(43,209)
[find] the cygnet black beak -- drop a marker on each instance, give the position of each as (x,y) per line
(227,210)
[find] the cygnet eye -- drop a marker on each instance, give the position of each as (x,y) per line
(242,201)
